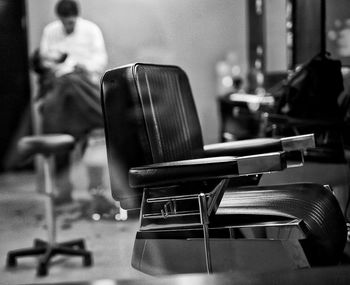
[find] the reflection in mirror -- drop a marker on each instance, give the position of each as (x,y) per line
(338,30)
(270,41)
(276,35)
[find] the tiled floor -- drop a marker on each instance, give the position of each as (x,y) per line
(22,220)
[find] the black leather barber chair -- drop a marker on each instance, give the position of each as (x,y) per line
(201,210)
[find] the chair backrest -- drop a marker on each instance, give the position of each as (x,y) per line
(150,117)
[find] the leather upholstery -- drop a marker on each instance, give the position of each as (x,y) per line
(314,204)
(150,117)
(200,169)
(170,114)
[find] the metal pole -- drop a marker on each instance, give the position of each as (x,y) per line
(323,27)
(49,209)
(203,210)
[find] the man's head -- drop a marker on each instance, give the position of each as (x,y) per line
(67,11)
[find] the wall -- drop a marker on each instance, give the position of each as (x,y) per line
(14,91)
(193,34)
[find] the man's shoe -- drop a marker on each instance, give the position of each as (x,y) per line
(62,199)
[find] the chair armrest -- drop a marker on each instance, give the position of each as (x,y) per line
(205,168)
(260,145)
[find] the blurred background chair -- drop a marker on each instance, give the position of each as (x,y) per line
(65,116)
(307,101)
(203,199)
(48,146)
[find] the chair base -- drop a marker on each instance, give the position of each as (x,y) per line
(46,251)
(159,257)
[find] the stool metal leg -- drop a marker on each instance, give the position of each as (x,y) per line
(50,218)
(14,254)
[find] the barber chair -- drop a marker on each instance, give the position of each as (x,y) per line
(200,208)
(48,146)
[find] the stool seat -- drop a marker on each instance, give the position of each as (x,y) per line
(47,144)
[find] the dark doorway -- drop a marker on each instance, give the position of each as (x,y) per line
(14,75)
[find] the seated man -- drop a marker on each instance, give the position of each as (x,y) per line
(72,58)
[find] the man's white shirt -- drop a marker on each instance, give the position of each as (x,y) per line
(84,46)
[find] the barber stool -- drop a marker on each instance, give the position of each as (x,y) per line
(48,146)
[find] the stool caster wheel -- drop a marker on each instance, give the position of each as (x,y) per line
(81,245)
(87,261)
(42,269)
(11,261)
(39,243)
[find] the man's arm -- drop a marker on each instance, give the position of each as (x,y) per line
(50,56)
(98,60)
